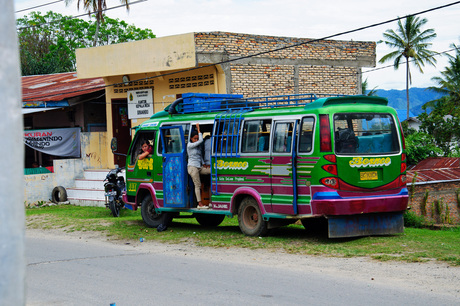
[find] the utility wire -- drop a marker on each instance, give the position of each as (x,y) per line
(81,15)
(277,49)
(368,71)
(41,5)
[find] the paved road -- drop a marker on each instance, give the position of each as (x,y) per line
(87,272)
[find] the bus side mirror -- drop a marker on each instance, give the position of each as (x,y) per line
(114,144)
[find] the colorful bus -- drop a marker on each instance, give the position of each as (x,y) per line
(275,160)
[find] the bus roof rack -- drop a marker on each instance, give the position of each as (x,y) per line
(201,102)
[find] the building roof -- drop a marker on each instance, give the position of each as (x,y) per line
(37,89)
(402,114)
(435,169)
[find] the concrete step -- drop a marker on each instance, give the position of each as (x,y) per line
(86,202)
(89,190)
(90,194)
(96,174)
(89,184)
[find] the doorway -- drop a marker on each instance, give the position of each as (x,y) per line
(121,127)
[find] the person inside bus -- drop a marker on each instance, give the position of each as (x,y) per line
(207,152)
(195,163)
(146,150)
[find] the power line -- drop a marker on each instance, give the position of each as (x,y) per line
(375,69)
(81,15)
(41,5)
(277,49)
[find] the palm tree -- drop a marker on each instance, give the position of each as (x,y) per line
(448,84)
(411,43)
(98,7)
(364,89)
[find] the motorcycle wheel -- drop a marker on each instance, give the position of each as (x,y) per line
(114,208)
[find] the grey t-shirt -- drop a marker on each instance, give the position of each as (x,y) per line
(194,152)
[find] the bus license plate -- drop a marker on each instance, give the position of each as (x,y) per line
(368,176)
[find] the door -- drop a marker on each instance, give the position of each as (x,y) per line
(174,166)
(283,175)
(121,127)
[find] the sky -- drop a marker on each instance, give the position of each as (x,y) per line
(290,18)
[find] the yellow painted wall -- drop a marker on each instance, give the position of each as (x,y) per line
(157,54)
(95,149)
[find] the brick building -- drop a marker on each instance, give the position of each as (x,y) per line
(300,66)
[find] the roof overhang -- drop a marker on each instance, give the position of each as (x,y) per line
(30,110)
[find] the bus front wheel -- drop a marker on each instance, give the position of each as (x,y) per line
(150,216)
(250,218)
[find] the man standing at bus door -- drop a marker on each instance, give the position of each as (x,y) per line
(195,163)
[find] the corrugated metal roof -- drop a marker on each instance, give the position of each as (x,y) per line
(436,169)
(58,86)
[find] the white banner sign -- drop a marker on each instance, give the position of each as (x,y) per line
(57,142)
(140,103)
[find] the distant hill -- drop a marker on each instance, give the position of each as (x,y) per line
(417,97)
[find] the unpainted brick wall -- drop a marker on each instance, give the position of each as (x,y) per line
(445,194)
(257,79)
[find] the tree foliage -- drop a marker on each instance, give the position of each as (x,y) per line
(410,43)
(443,122)
(97,7)
(48,42)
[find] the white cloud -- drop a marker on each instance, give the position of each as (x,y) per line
(295,18)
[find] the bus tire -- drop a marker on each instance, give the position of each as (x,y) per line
(150,216)
(59,194)
(209,220)
(250,218)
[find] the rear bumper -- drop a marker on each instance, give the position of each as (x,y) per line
(366,225)
(332,204)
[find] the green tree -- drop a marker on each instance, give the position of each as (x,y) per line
(47,43)
(443,122)
(98,7)
(420,146)
(410,43)
(448,84)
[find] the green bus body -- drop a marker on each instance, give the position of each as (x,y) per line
(342,158)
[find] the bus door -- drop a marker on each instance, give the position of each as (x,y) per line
(283,171)
(174,166)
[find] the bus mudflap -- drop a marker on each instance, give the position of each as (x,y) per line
(365,225)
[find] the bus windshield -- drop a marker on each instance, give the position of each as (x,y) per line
(365,133)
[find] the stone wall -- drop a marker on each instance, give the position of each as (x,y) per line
(312,66)
(438,202)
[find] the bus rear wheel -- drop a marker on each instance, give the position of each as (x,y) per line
(209,220)
(150,216)
(250,218)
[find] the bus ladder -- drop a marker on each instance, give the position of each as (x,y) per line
(227,125)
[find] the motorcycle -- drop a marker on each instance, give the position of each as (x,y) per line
(114,185)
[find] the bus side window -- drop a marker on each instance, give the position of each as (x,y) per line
(283,137)
(185,128)
(256,136)
(306,134)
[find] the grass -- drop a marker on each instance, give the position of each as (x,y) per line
(414,245)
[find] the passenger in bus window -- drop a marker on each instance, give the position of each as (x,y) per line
(146,150)
(195,163)
(207,152)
